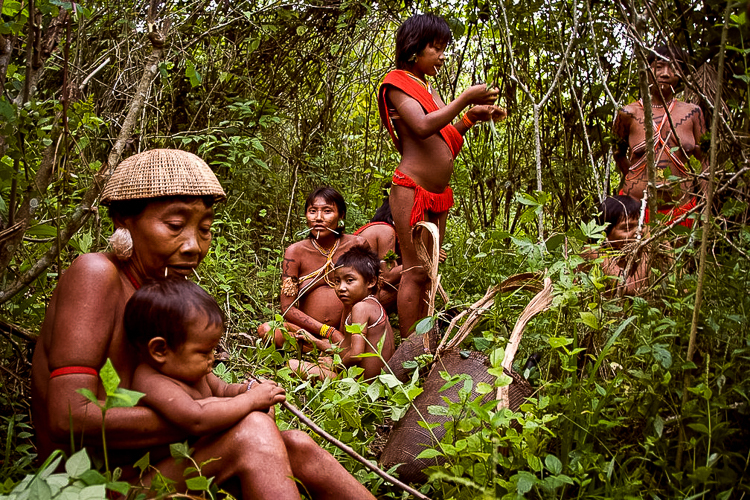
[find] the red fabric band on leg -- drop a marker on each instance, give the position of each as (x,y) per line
(73,370)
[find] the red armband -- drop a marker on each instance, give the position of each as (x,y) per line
(73,370)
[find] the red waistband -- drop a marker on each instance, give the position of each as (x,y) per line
(73,370)
(423,199)
(676,212)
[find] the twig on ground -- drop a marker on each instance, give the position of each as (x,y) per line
(349,451)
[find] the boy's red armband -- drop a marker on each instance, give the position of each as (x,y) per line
(73,370)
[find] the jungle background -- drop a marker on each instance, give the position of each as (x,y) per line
(635,398)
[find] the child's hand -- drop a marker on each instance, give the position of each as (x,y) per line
(481,94)
(487,113)
(266,394)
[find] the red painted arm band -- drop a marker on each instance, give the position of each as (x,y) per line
(73,370)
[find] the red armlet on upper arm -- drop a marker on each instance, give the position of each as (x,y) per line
(71,370)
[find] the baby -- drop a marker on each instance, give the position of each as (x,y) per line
(176,325)
(363,321)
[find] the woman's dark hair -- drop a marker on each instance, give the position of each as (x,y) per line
(163,307)
(415,33)
(133,208)
(383,213)
(362,260)
(670,52)
(616,208)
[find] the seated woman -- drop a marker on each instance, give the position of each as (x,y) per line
(161,203)
(673,145)
(308,300)
(381,236)
(620,216)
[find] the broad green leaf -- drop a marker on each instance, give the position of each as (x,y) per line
(429,453)
(553,464)
(78,463)
(96,492)
(424,325)
(110,379)
(199,483)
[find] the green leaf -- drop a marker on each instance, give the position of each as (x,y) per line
(89,395)
(124,398)
(557,342)
(553,464)
(662,355)
(78,463)
(121,487)
(437,410)
(40,490)
(199,483)
(526,481)
(179,450)
(424,325)
(143,462)
(658,425)
(429,453)
(110,379)
(589,319)
(389,380)
(96,492)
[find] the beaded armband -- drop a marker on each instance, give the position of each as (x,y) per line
(290,286)
(467,121)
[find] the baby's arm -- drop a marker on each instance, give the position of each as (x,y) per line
(168,398)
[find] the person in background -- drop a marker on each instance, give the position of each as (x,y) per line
(356,282)
(308,299)
(678,128)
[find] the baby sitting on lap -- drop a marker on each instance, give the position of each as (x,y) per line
(176,325)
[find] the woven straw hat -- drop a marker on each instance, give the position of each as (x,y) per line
(161,172)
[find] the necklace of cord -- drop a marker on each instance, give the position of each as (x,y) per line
(328,254)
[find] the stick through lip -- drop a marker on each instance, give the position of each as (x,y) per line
(196,274)
(331,230)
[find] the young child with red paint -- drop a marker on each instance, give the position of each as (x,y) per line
(364,321)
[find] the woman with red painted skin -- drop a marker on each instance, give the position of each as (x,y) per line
(419,123)
(161,202)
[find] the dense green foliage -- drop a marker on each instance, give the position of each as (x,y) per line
(280,98)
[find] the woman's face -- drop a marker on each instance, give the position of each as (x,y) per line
(322,215)
(170,237)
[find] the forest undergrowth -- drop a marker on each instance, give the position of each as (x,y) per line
(606,414)
(280,98)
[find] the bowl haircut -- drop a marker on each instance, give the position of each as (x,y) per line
(616,208)
(671,53)
(163,308)
(415,33)
(362,260)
